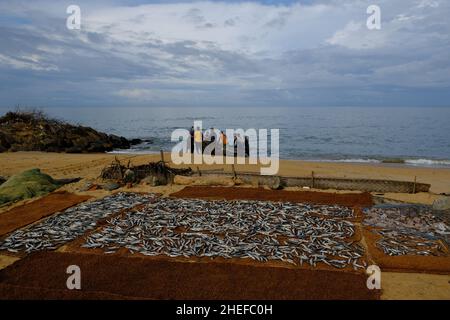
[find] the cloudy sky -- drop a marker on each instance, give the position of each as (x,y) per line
(227,53)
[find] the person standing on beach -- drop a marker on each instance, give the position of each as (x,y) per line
(224,141)
(191,132)
(247,146)
(198,139)
(223,138)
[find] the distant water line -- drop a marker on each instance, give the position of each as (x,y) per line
(415,136)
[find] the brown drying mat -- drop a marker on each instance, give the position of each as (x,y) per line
(30,293)
(405,263)
(143,278)
(235,193)
(31,212)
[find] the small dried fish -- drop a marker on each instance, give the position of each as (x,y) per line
(70,224)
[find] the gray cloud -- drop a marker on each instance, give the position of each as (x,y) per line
(227,54)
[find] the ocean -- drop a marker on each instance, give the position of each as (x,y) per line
(419,136)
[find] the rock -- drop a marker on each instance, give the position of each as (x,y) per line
(149,181)
(274,183)
(28,184)
(4,142)
(154,181)
(87,186)
(94,187)
(134,142)
(111,186)
(129,176)
(119,142)
(33,131)
(442,203)
(67,180)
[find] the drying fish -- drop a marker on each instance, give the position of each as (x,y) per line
(68,225)
(235,229)
(409,230)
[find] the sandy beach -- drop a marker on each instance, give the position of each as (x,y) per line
(89,166)
(396,285)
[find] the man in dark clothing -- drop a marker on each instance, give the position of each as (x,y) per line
(247,147)
(192,138)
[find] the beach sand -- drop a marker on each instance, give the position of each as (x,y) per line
(89,166)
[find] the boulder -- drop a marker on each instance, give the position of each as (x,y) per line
(442,203)
(86,186)
(155,180)
(28,184)
(110,186)
(129,176)
(135,141)
(274,183)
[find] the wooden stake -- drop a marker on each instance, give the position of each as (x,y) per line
(162,156)
(234,171)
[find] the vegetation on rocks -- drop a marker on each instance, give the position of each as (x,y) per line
(34,131)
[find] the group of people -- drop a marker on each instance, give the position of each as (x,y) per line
(200,140)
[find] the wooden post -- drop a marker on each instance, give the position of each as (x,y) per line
(414,186)
(312,179)
(234,171)
(162,155)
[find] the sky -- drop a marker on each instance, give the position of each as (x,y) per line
(225,53)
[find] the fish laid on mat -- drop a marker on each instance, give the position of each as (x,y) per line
(262,231)
(70,224)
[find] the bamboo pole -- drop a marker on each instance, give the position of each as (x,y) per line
(234,171)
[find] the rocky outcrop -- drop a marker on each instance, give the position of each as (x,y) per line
(33,131)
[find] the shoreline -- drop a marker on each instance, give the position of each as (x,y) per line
(406,161)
